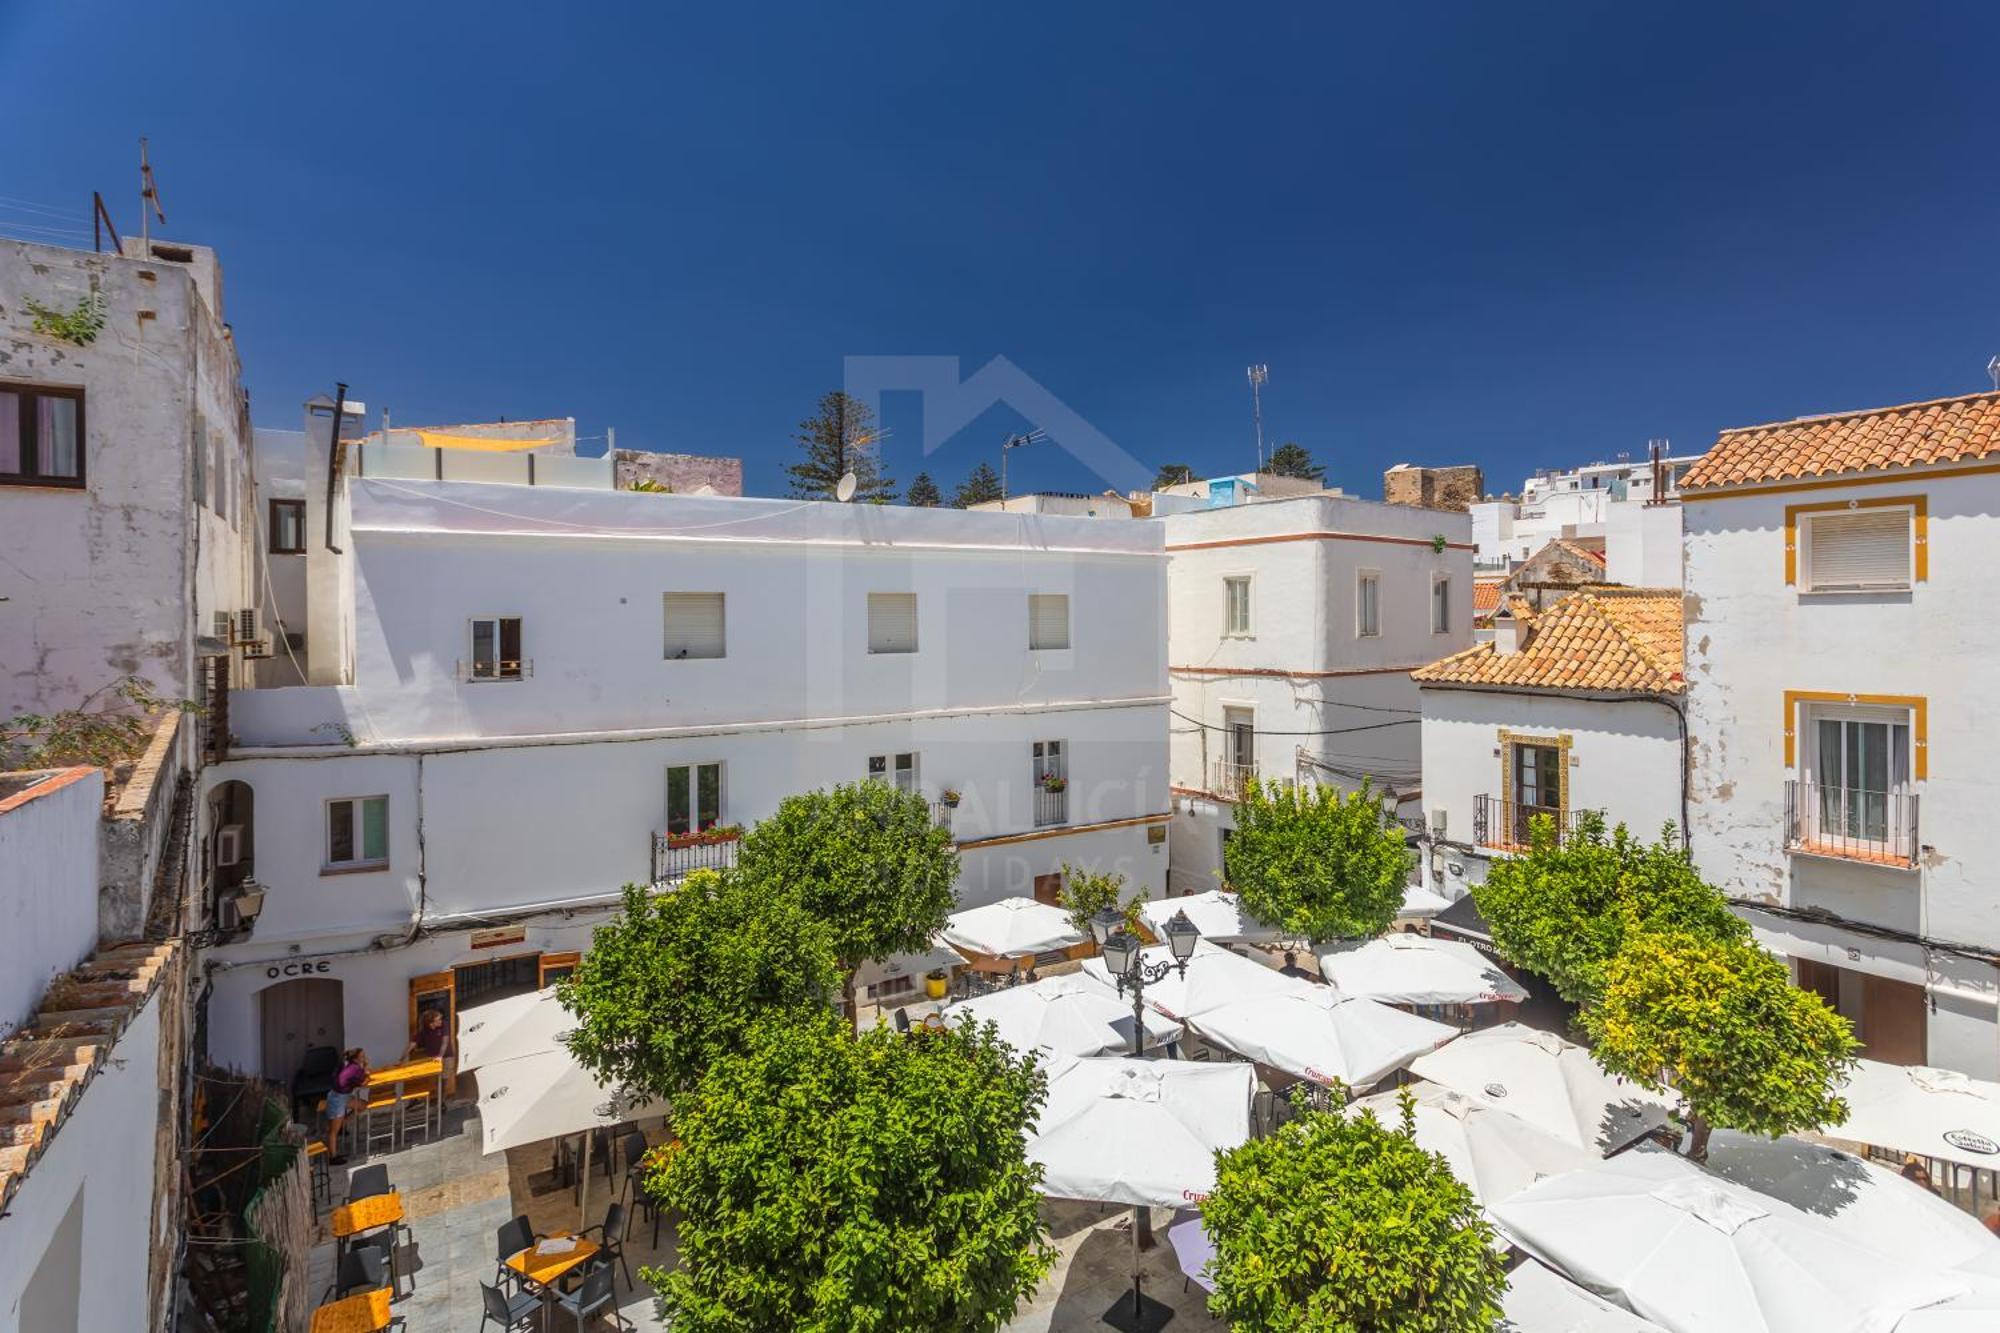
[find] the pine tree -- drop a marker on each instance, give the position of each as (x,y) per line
(980,485)
(923,492)
(840,438)
(1174,474)
(1292,460)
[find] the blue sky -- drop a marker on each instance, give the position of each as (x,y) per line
(1518,235)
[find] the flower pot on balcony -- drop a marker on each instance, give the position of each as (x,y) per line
(950,799)
(935,982)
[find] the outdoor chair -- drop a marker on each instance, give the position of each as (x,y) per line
(365,1182)
(314,1078)
(611,1241)
(379,1116)
(417,1101)
(593,1296)
(519,1310)
(512,1238)
(321,1173)
(362,1268)
(632,1152)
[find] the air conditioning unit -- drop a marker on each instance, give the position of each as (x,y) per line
(229,845)
(257,648)
(225,625)
(248,630)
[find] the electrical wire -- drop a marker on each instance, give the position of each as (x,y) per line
(1332,731)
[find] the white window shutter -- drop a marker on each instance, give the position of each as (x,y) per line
(1863,548)
(1048,620)
(892,622)
(694,625)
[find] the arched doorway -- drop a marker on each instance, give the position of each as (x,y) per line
(294,1016)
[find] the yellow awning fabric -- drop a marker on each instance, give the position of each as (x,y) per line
(437,440)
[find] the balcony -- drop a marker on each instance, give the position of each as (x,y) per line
(1508,826)
(490,669)
(1877,827)
(1051,803)
(678,855)
(1228,778)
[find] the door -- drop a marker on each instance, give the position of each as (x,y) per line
(1537,787)
(1239,740)
(294,1015)
(1048,889)
(556,966)
(1892,1021)
(1860,764)
(439,991)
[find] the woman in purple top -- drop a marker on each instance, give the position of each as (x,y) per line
(353,1077)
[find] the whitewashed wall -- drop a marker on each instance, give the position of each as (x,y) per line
(48,887)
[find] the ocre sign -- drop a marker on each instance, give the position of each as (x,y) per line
(308,968)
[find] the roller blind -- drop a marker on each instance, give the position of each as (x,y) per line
(1864,548)
(1048,620)
(694,625)
(892,622)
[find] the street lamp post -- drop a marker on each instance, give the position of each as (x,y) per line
(1120,950)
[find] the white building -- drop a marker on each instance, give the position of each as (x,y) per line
(1293,625)
(552,688)
(1634,507)
(1842,710)
(1576,710)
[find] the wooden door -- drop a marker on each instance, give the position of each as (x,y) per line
(1893,1020)
(439,991)
(1048,889)
(556,966)
(294,1015)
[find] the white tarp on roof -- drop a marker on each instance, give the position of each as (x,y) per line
(1496,1155)
(1548,1082)
(1118,1130)
(1217,914)
(1319,1036)
(1932,1112)
(1010,928)
(1070,1015)
(1414,969)
(1697,1254)
(1215,976)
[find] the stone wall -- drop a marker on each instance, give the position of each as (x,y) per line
(1455,488)
(683,474)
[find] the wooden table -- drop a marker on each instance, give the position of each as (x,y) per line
(377,1210)
(413,1071)
(364,1312)
(545,1270)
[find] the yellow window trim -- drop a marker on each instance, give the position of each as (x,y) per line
(1919,720)
(1559,742)
(1920,560)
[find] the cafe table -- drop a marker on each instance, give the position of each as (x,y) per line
(363,1312)
(545,1270)
(413,1071)
(377,1210)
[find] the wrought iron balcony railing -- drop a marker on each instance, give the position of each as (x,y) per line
(1051,806)
(1851,823)
(1509,825)
(1229,778)
(678,855)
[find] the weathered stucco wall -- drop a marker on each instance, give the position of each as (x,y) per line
(683,474)
(48,884)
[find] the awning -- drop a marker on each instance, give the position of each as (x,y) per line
(478,443)
(1462,919)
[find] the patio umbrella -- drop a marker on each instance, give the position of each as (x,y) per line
(1070,1015)
(1217,914)
(1192,1247)
(1695,1254)
(1540,1300)
(1415,969)
(1933,1112)
(516,1025)
(1011,928)
(1549,1082)
(1420,903)
(547,1095)
(1870,1205)
(1320,1036)
(1496,1154)
(1119,1130)
(1215,976)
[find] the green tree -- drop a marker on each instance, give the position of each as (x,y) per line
(1292,460)
(839,438)
(923,492)
(668,987)
(1315,864)
(1564,910)
(1085,893)
(827,1182)
(99,731)
(981,485)
(866,859)
(1338,1224)
(1720,1022)
(1174,474)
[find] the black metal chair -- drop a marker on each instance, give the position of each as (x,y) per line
(362,1268)
(903,1021)
(611,1241)
(365,1182)
(313,1079)
(511,1312)
(594,1295)
(509,1240)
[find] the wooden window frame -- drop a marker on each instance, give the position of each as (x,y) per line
(358,865)
(1249,629)
(1362,630)
(1920,522)
(1440,581)
(31,445)
(499,672)
(277,526)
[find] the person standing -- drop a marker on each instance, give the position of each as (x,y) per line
(350,1080)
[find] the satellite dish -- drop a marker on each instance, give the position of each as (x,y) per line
(844,490)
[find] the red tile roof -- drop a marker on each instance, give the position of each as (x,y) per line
(1615,639)
(1945,430)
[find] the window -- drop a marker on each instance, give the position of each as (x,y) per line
(1049,762)
(288,527)
(1368,604)
(1441,605)
(892,622)
(1236,605)
(1857,550)
(899,768)
(357,833)
(694,797)
(41,436)
(1048,620)
(1051,770)
(496,648)
(694,625)
(1859,770)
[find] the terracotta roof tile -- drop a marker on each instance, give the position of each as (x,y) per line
(1947,430)
(1580,549)
(1486,595)
(1599,639)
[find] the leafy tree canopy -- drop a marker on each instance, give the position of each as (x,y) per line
(923,492)
(668,987)
(1315,864)
(1292,460)
(1175,474)
(827,1183)
(1338,1224)
(1719,1021)
(866,859)
(840,437)
(980,485)
(1564,909)
(1085,893)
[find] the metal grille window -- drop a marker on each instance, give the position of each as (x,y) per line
(496,648)
(892,622)
(1048,620)
(41,436)
(695,625)
(357,832)
(1441,605)
(1859,550)
(1236,605)
(1368,604)
(694,798)
(901,769)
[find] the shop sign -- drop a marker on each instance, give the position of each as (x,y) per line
(1966,1140)
(300,967)
(499,937)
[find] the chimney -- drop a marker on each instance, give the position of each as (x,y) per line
(1509,633)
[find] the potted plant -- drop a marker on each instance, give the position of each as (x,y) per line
(1055,783)
(935,982)
(950,798)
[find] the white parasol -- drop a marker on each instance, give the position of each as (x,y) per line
(1548,1082)
(1011,928)
(1070,1015)
(1415,969)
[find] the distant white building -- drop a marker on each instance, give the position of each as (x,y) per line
(527,697)
(1842,709)
(1069,504)
(1293,625)
(1633,507)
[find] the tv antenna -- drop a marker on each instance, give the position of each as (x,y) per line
(844,489)
(1015,442)
(149,201)
(1258,375)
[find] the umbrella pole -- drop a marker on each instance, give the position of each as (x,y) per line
(1141,1216)
(583,1199)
